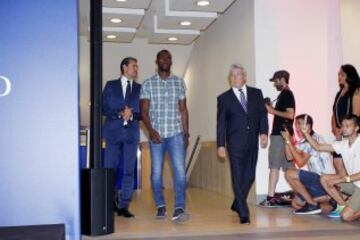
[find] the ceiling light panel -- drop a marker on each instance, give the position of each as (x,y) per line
(170,19)
(110,36)
(185,23)
(115,20)
(122,17)
(190,5)
(184,36)
(203,3)
(120,34)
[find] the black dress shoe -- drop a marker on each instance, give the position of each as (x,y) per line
(244,220)
(125,213)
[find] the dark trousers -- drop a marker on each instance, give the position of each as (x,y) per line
(127,152)
(243,169)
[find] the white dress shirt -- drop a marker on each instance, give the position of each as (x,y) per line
(237,92)
(124,84)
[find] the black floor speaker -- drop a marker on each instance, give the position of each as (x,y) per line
(97,193)
(36,232)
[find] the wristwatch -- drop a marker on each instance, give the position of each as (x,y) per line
(347,179)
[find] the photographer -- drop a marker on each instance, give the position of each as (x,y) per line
(307,185)
(284,113)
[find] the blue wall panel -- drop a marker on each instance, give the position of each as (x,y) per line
(39,118)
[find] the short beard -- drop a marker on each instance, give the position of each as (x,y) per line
(164,70)
(279,88)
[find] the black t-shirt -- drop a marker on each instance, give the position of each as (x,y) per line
(285,100)
(342,107)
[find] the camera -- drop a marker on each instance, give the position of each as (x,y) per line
(288,126)
(267,101)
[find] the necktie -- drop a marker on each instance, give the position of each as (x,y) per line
(243,101)
(128,93)
(127,98)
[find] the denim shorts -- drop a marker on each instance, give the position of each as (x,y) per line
(312,183)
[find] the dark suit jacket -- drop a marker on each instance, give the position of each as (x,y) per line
(113,102)
(238,129)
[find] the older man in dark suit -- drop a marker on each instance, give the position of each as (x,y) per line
(241,119)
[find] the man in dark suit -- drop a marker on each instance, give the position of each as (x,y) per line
(241,119)
(121,99)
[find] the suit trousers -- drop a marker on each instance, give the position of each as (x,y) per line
(127,152)
(243,170)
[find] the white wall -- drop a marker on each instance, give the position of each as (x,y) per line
(304,38)
(113,53)
(230,39)
(350,19)
(266,35)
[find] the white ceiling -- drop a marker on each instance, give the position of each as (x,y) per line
(137,4)
(190,5)
(156,20)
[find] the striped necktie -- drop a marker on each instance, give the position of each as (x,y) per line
(243,101)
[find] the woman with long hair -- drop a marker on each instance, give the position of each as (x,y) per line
(347,101)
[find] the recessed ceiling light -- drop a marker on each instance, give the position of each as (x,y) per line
(120,0)
(110,36)
(185,23)
(115,20)
(172,39)
(203,3)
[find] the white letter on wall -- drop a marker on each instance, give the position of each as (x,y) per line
(7,86)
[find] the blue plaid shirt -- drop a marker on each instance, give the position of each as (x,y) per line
(164,96)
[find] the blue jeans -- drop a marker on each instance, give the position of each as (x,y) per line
(176,149)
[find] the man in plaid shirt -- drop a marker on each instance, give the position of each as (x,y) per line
(164,113)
